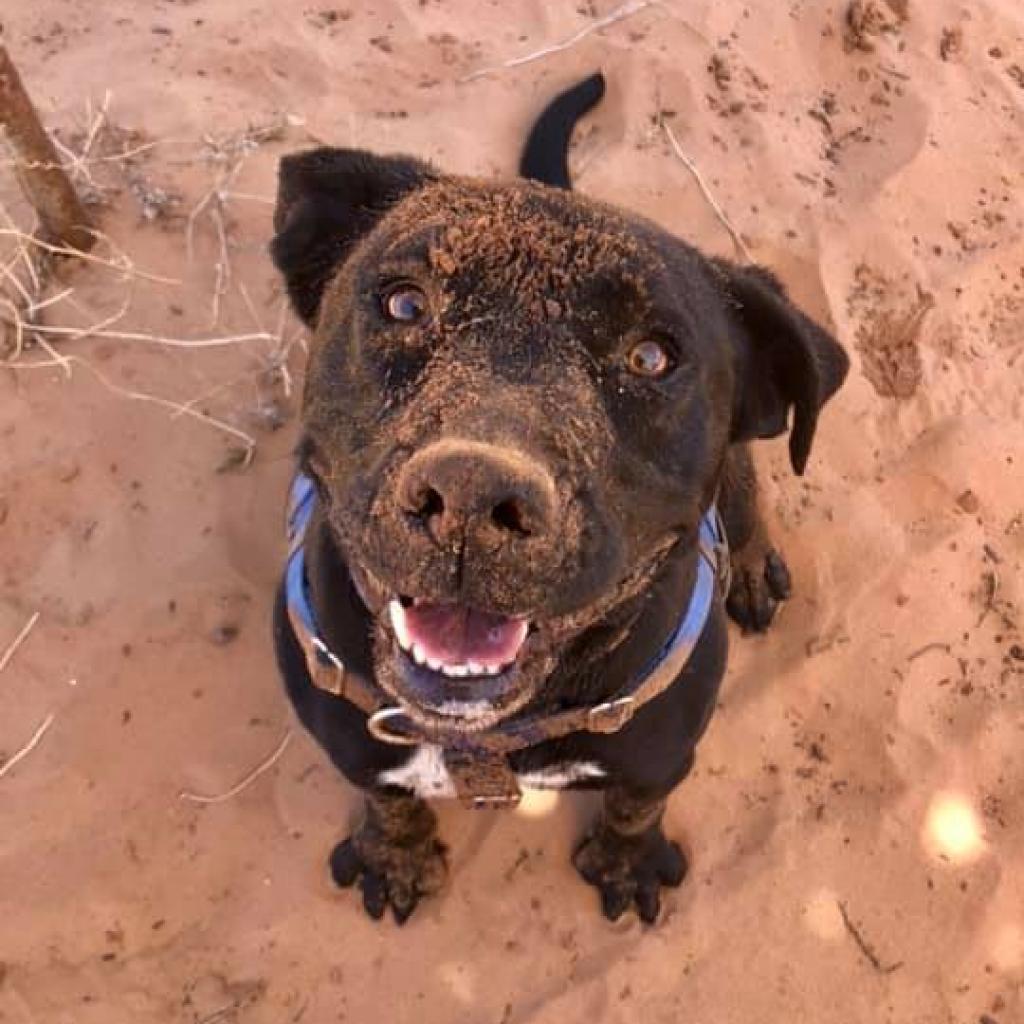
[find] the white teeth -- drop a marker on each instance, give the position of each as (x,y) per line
(400,624)
(418,654)
(456,671)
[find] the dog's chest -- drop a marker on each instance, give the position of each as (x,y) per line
(426,775)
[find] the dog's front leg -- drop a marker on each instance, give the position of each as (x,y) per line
(760,577)
(395,854)
(627,857)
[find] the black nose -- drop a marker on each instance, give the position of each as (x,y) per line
(454,487)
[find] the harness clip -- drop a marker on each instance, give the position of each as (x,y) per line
(612,715)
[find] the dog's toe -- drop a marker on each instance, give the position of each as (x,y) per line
(615,901)
(671,865)
(759,583)
(375,895)
(777,577)
(345,864)
(648,901)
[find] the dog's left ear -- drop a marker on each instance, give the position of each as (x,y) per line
(783,359)
(327,200)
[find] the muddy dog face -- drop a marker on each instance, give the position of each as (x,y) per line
(518,403)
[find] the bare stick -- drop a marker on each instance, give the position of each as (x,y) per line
(937,645)
(618,14)
(62,250)
(61,360)
(153,339)
(29,747)
(862,944)
(219,798)
(44,182)
(142,396)
(12,347)
(222,266)
(712,202)
(18,641)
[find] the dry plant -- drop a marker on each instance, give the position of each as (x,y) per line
(101,145)
(227,155)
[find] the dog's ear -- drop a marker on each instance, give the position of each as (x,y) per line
(327,200)
(783,359)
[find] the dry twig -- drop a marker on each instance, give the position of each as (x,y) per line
(265,765)
(29,747)
(618,14)
(18,641)
(124,265)
(862,944)
(737,241)
(141,396)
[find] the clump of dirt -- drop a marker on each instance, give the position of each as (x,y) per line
(951,45)
(1006,325)
(892,316)
(867,20)
(737,86)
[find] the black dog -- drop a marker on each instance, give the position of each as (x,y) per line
(521,408)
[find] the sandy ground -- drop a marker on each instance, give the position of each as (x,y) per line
(866,759)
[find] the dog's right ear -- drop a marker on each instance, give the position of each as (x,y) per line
(327,200)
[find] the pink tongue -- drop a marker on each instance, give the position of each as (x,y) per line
(455,635)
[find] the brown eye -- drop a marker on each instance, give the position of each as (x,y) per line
(405,304)
(649,359)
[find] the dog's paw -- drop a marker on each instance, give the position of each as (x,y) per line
(390,874)
(630,870)
(760,580)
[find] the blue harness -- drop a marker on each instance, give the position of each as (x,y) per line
(391,724)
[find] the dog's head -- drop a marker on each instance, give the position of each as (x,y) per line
(518,402)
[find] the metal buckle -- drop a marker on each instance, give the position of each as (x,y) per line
(612,715)
(376,727)
(325,669)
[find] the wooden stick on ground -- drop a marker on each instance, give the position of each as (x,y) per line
(62,217)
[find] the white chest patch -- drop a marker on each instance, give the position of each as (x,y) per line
(426,775)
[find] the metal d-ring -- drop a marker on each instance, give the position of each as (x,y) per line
(376,727)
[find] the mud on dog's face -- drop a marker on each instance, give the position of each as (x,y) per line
(517,403)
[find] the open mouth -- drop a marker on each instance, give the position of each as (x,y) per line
(457,641)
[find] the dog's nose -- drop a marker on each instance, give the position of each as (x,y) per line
(455,486)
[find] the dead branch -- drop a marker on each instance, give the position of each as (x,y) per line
(62,218)
(716,208)
(863,945)
(29,747)
(618,14)
(264,765)
(18,641)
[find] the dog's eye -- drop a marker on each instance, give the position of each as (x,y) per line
(649,359)
(405,304)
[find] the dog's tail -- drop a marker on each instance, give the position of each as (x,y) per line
(545,155)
